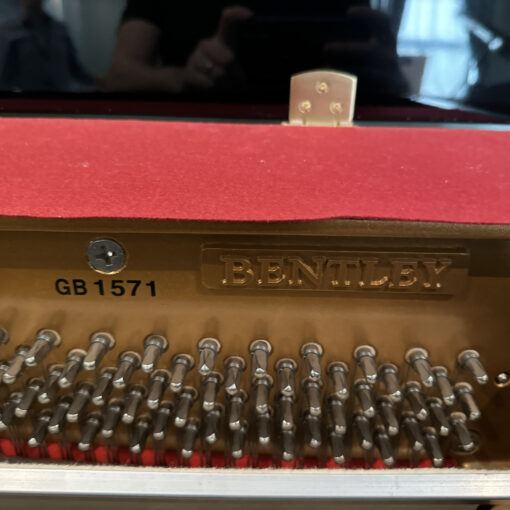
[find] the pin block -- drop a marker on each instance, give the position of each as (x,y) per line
(334,343)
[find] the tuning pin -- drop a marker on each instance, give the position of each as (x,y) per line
(260,351)
(313,425)
(236,410)
(237,441)
(311,353)
(4,336)
(89,431)
(45,341)
(189,438)
(313,396)
(49,389)
(287,441)
(40,430)
(363,392)
(413,394)
(464,393)
(129,362)
(262,386)
(181,365)
(212,421)
(16,365)
(286,412)
(8,409)
(337,413)
(336,443)
(162,420)
(388,372)
(72,367)
(100,343)
(29,397)
(438,416)
(364,431)
(234,368)
(155,346)
(140,433)
(157,386)
(285,369)
(211,384)
(104,386)
(444,385)
(4,366)
(135,395)
(208,349)
(337,372)
(112,417)
(365,357)
(433,447)
(58,418)
(418,359)
(388,416)
(264,423)
(459,423)
(186,400)
(413,432)
(82,395)
(470,360)
(385,447)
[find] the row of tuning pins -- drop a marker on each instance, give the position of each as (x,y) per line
(155,345)
(424,419)
(387,409)
(377,420)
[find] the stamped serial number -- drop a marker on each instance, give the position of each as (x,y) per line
(116,288)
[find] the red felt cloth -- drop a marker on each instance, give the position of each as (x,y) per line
(78,168)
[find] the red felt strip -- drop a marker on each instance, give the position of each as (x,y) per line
(99,455)
(79,168)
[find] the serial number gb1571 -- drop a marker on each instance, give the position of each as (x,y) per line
(116,288)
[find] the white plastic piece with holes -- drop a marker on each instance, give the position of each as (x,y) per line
(322,98)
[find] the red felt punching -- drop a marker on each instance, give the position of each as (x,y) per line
(80,168)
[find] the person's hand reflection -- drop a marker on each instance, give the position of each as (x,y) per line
(372,58)
(213,63)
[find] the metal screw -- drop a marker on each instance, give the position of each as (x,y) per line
(305,106)
(502,379)
(336,107)
(106,256)
(322,87)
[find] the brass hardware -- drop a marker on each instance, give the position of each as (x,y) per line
(322,98)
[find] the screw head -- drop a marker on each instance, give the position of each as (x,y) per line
(305,106)
(502,379)
(106,256)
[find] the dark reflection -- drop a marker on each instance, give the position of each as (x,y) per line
(452,53)
(37,53)
(250,50)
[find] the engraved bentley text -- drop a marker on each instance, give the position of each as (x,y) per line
(341,270)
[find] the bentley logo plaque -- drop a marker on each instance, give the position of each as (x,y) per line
(411,272)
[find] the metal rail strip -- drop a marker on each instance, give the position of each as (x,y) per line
(92,481)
